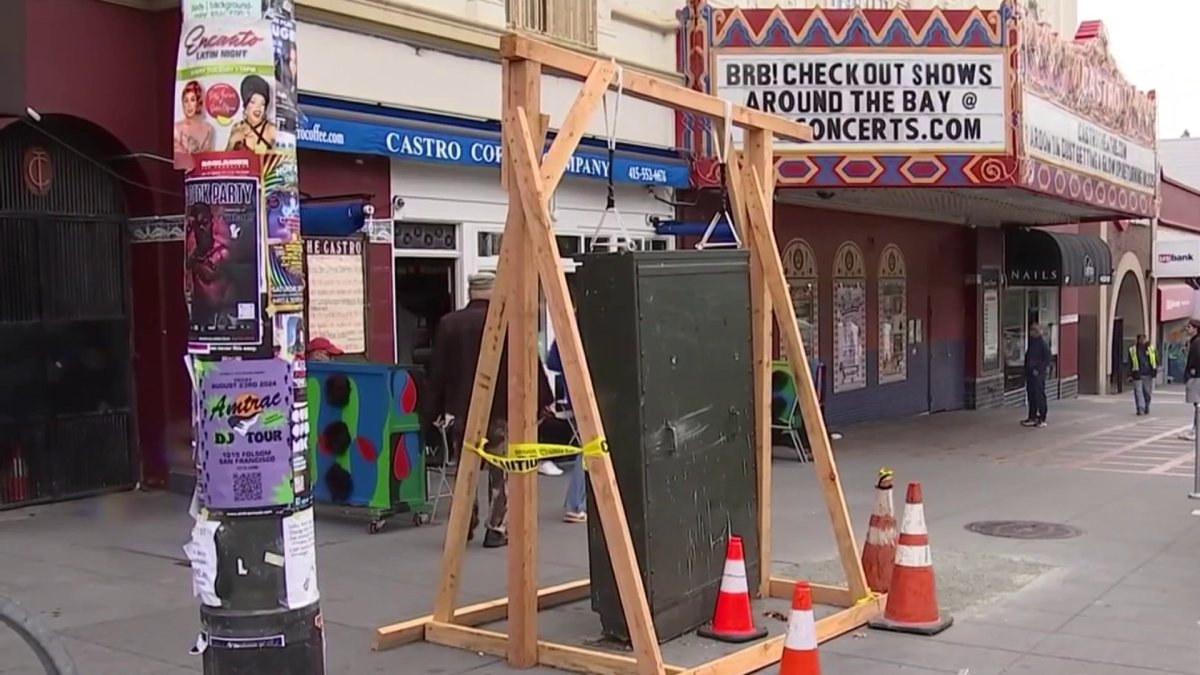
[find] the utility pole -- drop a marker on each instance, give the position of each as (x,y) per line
(253,545)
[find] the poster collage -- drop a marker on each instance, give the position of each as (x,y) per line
(234,136)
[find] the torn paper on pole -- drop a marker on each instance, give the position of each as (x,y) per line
(300,559)
(201,552)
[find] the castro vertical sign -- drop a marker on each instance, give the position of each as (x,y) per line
(909,101)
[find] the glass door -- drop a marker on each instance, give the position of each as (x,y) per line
(1015,327)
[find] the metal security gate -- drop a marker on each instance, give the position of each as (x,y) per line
(66,424)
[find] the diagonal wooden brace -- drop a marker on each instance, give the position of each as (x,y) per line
(467,478)
(535,200)
(747,193)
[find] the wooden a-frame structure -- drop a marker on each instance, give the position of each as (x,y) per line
(531,178)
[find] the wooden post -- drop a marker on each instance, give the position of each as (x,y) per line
(759,151)
(467,480)
(523,91)
(535,200)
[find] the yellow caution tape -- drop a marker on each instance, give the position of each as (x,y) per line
(867,599)
(525,457)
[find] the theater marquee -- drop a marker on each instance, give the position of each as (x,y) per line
(913,102)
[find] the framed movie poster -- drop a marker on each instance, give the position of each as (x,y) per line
(849,319)
(894,335)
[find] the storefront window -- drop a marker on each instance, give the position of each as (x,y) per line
(1014,338)
(800,267)
(893,314)
(1022,307)
(849,319)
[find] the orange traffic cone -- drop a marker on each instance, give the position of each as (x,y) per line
(733,620)
(800,645)
(912,601)
(879,552)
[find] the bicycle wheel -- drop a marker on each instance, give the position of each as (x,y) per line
(45,645)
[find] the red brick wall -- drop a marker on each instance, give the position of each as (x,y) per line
(325,174)
(934,254)
(937,257)
(1069,302)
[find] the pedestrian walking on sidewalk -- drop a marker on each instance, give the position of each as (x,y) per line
(1143,363)
(1191,373)
(451,380)
(1037,361)
(574,505)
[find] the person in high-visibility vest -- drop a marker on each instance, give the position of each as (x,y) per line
(1143,363)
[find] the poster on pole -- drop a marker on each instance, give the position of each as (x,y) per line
(224,88)
(245,435)
(222,9)
(223,249)
(300,559)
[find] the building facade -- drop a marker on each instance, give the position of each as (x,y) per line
(1176,269)
(948,200)
(400,105)
(1060,15)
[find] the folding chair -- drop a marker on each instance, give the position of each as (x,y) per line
(786,417)
(791,423)
(439,471)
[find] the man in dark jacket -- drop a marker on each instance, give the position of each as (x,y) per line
(1191,372)
(1037,361)
(456,349)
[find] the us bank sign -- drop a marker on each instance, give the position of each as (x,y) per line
(1177,259)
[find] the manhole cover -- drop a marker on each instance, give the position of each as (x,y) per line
(1023,529)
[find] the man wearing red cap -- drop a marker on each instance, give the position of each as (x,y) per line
(322,349)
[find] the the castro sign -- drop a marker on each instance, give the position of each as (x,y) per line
(918,102)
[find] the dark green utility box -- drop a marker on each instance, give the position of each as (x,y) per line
(667,337)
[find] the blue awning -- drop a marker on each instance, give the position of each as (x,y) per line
(420,144)
(332,219)
(676,228)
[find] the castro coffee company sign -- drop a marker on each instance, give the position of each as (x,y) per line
(907,101)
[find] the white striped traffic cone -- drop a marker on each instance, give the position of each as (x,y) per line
(800,645)
(912,600)
(879,551)
(733,621)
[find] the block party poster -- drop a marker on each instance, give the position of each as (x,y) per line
(222,244)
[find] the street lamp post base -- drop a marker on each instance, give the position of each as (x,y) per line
(255,643)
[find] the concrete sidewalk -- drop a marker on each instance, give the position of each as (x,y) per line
(1120,599)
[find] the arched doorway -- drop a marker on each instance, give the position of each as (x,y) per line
(1129,319)
(66,397)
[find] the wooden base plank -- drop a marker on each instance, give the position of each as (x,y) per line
(833,596)
(413,630)
(550,654)
(768,652)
